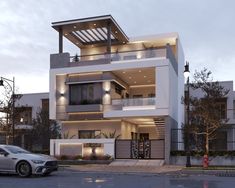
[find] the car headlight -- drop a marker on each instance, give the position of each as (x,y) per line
(38,161)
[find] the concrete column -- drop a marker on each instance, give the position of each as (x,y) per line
(22,141)
(60,40)
(162,88)
(167,146)
(108,37)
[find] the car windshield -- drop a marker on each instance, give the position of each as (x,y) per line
(15,149)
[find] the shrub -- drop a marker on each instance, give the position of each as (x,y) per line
(77,157)
(64,157)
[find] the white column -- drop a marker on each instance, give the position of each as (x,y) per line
(162,88)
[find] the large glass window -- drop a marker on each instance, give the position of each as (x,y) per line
(222,109)
(74,91)
(88,134)
(84,94)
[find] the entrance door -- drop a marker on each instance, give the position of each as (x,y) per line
(144,146)
(137,149)
(144,136)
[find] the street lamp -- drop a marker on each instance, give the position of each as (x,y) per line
(186,75)
(12,86)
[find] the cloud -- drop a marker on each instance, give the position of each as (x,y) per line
(206,29)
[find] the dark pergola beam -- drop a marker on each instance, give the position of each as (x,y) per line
(81,37)
(80,43)
(108,37)
(90,35)
(100,33)
(96,35)
(86,35)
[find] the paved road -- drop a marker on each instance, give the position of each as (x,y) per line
(72,179)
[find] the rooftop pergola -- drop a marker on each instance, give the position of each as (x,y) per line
(93,31)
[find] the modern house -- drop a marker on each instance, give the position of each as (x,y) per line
(128,86)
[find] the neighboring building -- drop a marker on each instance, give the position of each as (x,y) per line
(31,104)
(26,109)
(226,136)
(132,86)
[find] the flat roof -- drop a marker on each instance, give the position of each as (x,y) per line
(91,31)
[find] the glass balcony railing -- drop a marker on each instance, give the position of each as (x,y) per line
(122,56)
(134,102)
(62,60)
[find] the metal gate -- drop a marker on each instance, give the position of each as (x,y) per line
(138,149)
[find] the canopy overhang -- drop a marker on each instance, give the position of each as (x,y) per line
(92,31)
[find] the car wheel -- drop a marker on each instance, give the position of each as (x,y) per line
(24,169)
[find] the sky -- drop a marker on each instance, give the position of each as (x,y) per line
(206,29)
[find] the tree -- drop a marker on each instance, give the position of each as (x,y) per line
(44,129)
(205,119)
(6,109)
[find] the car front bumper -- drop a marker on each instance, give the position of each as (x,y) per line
(47,168)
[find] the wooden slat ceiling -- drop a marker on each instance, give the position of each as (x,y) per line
(91,31)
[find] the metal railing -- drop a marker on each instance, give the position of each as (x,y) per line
(226,143)
(124,55)
(134,102)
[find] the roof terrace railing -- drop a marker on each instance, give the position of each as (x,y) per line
(122,56)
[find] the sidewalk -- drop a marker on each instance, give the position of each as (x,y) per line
(166,169)
(123,169)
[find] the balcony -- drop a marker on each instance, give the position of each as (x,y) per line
(122,56)
(63,60)
(135,107)
(134,104)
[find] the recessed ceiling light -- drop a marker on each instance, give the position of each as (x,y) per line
(123,42)
(135,82)
(77,43)
(139,70)
(66,34)
(94,24)
(123,72)
(116,32)
(145,76)
(74,26)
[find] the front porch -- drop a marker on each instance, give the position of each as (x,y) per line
(143,138)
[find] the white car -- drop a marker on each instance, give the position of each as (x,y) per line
(14,159)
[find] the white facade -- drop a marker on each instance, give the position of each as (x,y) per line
(138,80)
(77,145)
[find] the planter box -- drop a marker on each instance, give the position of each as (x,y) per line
(198,161)
(84,108)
